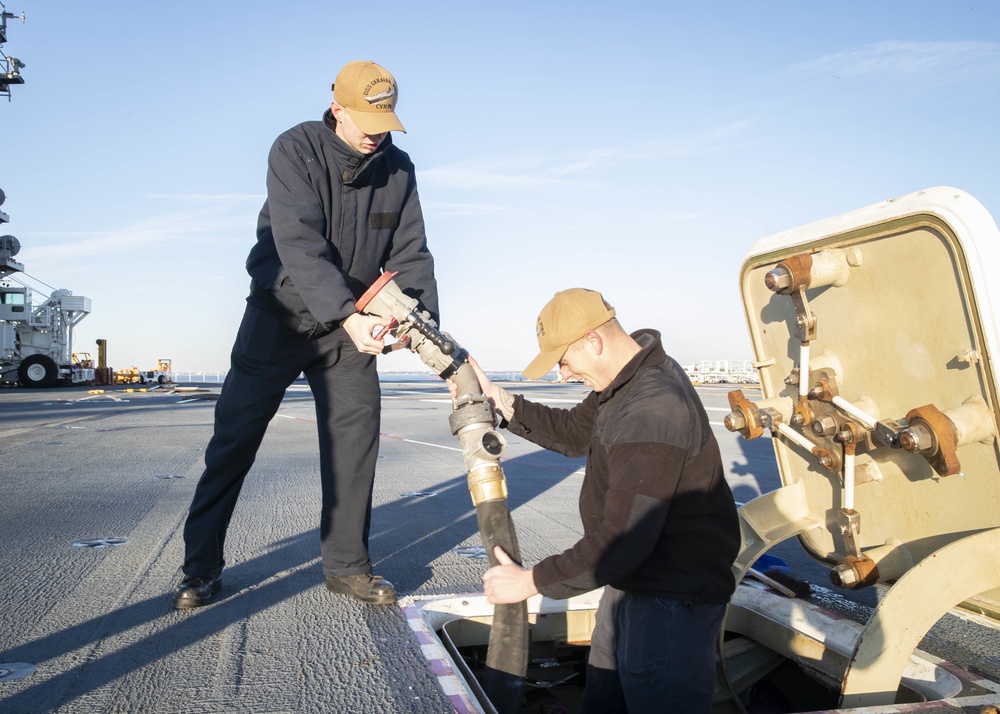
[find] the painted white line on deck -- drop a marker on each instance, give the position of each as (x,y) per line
(422,443)
(539,401)
(381,433)
(295,418)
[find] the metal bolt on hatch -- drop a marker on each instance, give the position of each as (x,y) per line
(825,426)
(777,279)
(843,575)
(735,421)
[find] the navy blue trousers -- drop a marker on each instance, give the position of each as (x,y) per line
(266,358)
(652,654)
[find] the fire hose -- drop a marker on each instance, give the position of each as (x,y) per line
(473,421)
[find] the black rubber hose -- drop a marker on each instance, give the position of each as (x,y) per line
(507,655)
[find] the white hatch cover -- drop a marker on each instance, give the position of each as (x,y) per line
(874,335)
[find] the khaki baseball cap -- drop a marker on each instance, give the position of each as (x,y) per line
(369,93)
(565,319)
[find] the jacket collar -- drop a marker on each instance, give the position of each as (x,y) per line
(352,164)
(651,354)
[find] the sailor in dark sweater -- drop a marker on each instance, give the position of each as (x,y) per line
(660,523)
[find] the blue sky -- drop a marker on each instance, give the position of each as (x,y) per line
(636,148)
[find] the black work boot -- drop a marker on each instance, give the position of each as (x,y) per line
(372,589)
(196,591)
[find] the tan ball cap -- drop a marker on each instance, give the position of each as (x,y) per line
(368,92)
(565,319)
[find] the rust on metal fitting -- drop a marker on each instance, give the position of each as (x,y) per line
(803,413)
(799,269)
(744,410)
(849,435)
(823,390)
(854,573)
(827,459)
(944,458)
(487,483)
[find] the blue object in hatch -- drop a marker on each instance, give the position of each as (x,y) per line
(770,562)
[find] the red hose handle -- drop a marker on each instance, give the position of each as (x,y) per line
(374,290)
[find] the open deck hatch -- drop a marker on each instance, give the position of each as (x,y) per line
(875,337)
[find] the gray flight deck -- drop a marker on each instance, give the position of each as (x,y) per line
(86,628)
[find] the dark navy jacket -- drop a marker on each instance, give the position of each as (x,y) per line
(334,219)
(658,516)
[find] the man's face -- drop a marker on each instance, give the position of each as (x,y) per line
(578,362)
(352,135)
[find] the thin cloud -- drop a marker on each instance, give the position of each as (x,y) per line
(163,231)
(719,140)
(490,173)
(530,171)
(206,197)
(942,61)
(446,210)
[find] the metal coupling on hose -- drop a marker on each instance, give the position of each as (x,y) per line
(471,411)
(487,483)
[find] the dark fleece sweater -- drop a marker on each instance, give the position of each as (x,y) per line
(658,516)
(334,219)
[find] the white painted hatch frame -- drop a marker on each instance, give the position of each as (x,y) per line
(875,335)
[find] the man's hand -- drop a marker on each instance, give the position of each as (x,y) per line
(489,389)
(361,329)
(507,582)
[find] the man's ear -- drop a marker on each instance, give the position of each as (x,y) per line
(595,341)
